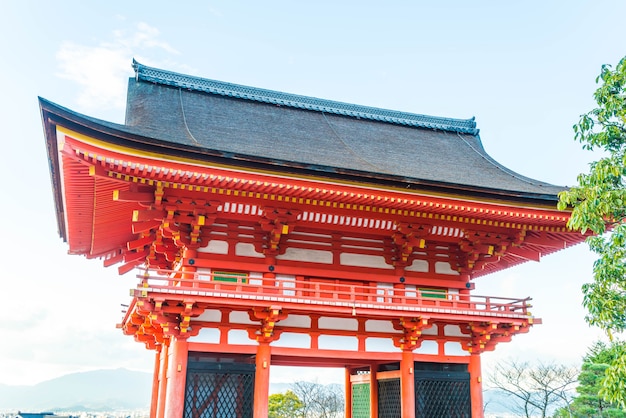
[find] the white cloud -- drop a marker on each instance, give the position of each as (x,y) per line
(98,70)
(101,71)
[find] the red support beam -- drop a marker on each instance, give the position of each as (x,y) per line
(163,381)
(154,401)
(176,377)
(348,393)
(262,380)
(476,386)
(374,390)
(407,385)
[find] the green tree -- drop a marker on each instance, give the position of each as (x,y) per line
(589,403)
(285,405)
(598,204)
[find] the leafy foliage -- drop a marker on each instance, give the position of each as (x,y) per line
(598,204)
(589,403)
(285,405)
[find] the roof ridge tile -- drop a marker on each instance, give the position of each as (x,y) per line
(169,78)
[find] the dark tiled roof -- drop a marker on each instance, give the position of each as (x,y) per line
(224,126)
(250,124)
(187,82)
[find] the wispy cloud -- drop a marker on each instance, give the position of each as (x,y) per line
(101,70)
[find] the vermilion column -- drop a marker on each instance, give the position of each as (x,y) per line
(154,401)
(407,384)
(348,393)
(262,380)
(176,377)
(162,381)
(476,386)
(373,390)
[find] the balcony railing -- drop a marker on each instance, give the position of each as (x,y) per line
(310,292)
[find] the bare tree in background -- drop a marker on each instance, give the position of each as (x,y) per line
(535,390)
(320,401)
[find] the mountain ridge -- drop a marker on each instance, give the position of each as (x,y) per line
(101,390)
(110,390)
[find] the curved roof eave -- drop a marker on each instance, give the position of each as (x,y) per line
(53,113)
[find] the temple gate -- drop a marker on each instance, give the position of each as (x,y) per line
(267,228)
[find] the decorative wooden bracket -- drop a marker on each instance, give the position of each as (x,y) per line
(412,330)
(268,317)
(485,336)
(154,321)
(479,248)
(277,222)
(406,238)
(173,222)
(184,325)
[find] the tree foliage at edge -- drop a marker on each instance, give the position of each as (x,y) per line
(598,204)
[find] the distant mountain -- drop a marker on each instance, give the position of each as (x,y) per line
(100,390)
(122,389)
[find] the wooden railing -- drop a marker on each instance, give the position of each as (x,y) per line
(311,292)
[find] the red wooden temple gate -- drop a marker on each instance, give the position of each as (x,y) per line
(274,229)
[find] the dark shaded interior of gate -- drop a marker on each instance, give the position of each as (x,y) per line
(223,387)
(441,390)
(219,387)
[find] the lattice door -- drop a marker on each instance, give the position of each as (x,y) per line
(219,390)
(389,398)
(442,394)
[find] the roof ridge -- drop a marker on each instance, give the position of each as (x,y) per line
(169,78)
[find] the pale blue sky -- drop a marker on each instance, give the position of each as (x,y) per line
(525,70)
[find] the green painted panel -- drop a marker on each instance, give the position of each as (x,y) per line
(229,277)
(433,293)
(361,400)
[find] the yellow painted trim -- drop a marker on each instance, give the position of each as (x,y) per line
(318,179)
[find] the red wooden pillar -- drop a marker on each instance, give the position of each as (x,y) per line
(154,401)
(374,390)
(348,394)
(262,380)
(162,381)
(176,377)
(407,384)
(476,386)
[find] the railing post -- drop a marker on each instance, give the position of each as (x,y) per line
(464,299)
(188,271)
(398,293)
(299,286)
